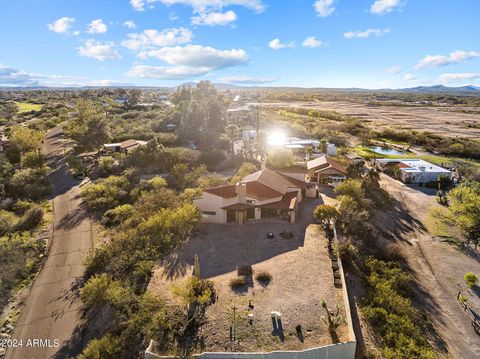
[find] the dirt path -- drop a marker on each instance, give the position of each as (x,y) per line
(53,311)
(438,269)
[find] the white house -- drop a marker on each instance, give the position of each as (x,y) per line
(414,170)
(263,194)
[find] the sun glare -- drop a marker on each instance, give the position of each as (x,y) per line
(277,138)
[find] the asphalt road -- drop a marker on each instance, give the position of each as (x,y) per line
(52,311)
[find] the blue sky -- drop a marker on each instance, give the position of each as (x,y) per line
(308,43)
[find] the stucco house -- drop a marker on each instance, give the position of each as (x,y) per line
(326,170)
(414,170)
(263,194)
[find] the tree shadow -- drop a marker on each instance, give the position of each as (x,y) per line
(277,330)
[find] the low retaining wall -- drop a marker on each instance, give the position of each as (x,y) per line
(334,351)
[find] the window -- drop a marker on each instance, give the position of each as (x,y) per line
(209,213)
(250,201)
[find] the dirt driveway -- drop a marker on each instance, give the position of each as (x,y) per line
(438,268)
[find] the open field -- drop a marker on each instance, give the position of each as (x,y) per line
(27,107)
(301,277)
(444,120)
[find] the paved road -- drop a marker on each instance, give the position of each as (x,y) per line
(438,268)
(52,309)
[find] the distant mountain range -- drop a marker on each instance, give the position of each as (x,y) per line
(442,89)
(435,89)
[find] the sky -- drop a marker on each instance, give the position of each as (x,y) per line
(306,43)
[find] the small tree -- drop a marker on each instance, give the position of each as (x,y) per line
(326,214)
(470,279)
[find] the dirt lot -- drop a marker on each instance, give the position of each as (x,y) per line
(438,269)
(302,277)
(440,120)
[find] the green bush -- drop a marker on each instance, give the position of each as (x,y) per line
(108,347)
(391,314)
(117,215)
(31,219)
(7,222)
(470,279)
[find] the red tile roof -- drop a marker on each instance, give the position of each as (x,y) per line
(288,201)
(260,191)
(227,191)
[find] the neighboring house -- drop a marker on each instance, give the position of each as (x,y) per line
(249,135)
(125,146)
(354,158)
(414,170)
(121,100)
(263,194)
(326,170)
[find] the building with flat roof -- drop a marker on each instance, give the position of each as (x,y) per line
(414,170)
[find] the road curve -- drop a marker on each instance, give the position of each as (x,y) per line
(52,311)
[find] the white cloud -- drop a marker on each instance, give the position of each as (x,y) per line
(324,8)
(247,80)
(441,60)
(166,72)
(393,70)
(365,33)
(409,77)
(380,7)
(150,39)
(98,50)
(63,25)
(106,83)
(130,24)
(276,44)
(10,76)
(187,61)
(459,76)
(97,27)
(201,6)
(198,56)
(214,18)
(311,41)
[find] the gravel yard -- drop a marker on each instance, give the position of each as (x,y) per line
(301,273)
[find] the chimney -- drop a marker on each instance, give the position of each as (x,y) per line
(241,191)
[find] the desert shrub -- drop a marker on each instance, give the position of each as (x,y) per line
(391,314)
(108,346)
(245,169)
(7,222)
(32,218)
(107,166)
(346,251)
(212,158)
(117,215)
(263,277)
(470,279)
(237,282)
(21,206)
